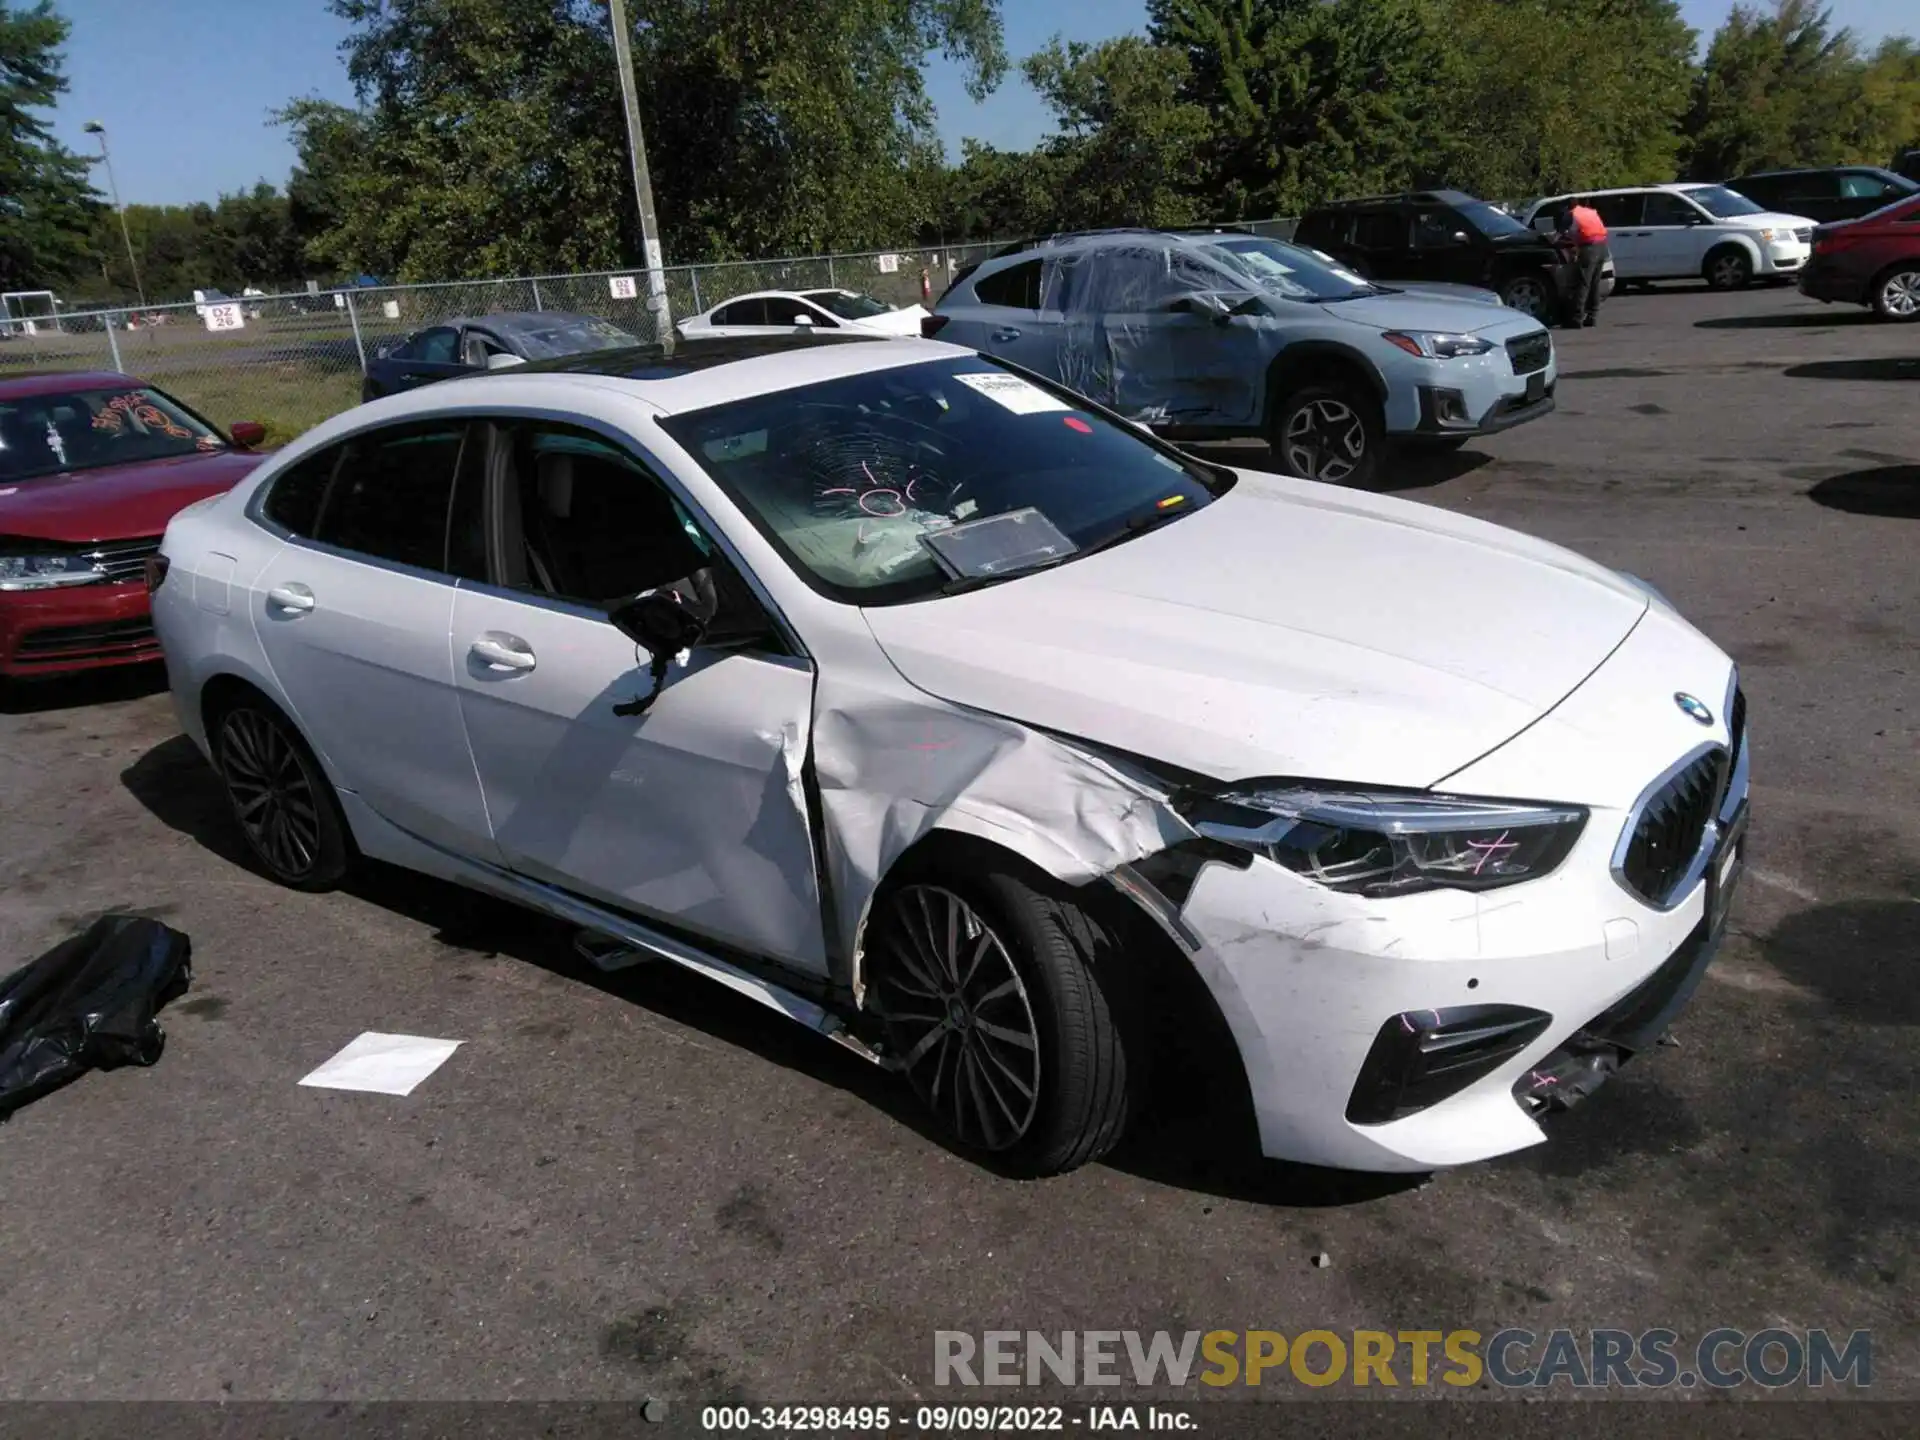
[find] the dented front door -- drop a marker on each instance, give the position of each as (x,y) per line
(691,813)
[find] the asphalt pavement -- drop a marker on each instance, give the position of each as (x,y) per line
(641,1185)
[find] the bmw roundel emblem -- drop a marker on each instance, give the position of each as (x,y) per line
(1692,708)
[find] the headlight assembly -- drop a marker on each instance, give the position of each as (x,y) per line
(1436,344)
(44,572)
(1389,843)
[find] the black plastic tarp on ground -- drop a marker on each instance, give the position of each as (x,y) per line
(88,1004)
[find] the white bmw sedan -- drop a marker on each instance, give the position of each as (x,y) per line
(962,722)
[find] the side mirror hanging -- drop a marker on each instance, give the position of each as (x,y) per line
(663,623)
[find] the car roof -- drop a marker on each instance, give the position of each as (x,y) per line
(59,382)
(1417,197)
(694,374)
(1820,170)
(510,321)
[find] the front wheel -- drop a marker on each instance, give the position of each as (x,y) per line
(990,1004)
(1730,268)
(1531,294)
(1333,433)
(1897,295)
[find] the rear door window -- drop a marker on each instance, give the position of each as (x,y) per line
(1380,230)
(393,493)
(293,499)
(1617,211)
(1017,287)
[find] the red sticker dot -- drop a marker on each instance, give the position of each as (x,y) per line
(1074,422)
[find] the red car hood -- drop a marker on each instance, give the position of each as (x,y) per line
(117,502)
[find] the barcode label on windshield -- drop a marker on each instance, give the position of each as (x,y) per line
(1019,396)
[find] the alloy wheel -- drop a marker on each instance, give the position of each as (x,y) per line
(957,1016)
(1325,440)
(1727,273)
(1900,295)
(1528,296)
(273,797)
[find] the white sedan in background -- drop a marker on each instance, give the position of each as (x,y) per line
(787,312)
(956,719)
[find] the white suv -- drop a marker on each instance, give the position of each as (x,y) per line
(1683,232)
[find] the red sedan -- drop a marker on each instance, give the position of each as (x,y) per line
(92,466)
(1874,260)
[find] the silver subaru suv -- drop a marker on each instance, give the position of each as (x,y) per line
(1220,335)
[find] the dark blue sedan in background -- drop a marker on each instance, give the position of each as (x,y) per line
(462,346)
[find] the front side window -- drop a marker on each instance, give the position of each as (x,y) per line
(1857,185)
(439,346)
(88,429)
(1722,203)
(1437,230)
(742,312)
(1664,209)
(791,310)
(849,306)
(586,522)
(865,484)
(392,494)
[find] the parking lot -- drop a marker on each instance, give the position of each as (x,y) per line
(641,1185)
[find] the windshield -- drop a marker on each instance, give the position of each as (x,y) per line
(847,305)
(572,336)
(1489,220)
(848,477)
(86,429)
(1719,201)
(1291,271)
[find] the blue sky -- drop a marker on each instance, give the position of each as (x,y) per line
(189,128)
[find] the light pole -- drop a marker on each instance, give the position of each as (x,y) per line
(94,127)
(642,185)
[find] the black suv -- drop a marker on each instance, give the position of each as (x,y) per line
(1442,235)
(1837,192)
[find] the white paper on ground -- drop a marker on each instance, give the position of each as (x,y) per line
(383,1064)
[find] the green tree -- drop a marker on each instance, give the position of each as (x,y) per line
(47,204)
(331,143)
(1310,99)
(1128,147)
(1554,94)
(490,140)
(1780,88)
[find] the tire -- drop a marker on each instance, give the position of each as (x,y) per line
(986,989)
(1896,294)
(1330,432)
(281,799)
(1531,293)
(1728,268)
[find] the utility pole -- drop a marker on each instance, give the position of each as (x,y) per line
(642,185)
(95,128)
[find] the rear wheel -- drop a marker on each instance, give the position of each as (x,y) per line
(987,993)
(1531,293)
(1728,268)
(1896,295)
(1332,432)
(281,799)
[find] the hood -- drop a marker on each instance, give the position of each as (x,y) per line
(1287,629)
(1477,294)
(1418,310)
(895,322)
(1770,220)
(117,502)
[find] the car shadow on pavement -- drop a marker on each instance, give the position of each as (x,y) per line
(1886,490)
(1198,1136)
(1788,320)
(1885,367)
(1404,468)
(75,692)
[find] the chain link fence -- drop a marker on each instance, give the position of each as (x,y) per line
(293,359)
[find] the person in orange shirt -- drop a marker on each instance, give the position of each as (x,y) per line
(1584,233)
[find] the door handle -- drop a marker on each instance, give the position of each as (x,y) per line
(291,596)
(1005,332)
(504,652)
